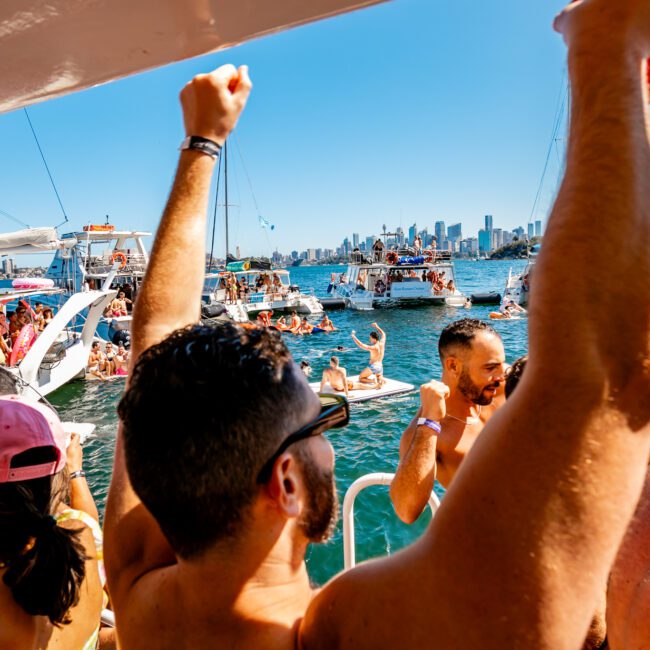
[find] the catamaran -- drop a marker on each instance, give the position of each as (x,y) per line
(399,278)
(517,288)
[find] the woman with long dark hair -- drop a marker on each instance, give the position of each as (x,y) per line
(50,589)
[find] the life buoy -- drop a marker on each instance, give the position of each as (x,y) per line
(118,255)
(391,257)
(429,256)
(23,342)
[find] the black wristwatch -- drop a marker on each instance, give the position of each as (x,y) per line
(204,145)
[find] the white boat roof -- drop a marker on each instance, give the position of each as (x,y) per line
(103,235)
(50,48)
(29,241)
(220,274)
(8,294)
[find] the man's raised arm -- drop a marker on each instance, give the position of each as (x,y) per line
(170,298)
(519,552)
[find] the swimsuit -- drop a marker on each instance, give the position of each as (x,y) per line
(78,515)
(376,368)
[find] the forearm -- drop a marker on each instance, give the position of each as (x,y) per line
(81,497)
(415,475)
(170,296)
(603,206)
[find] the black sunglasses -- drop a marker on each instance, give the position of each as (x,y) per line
(334,413)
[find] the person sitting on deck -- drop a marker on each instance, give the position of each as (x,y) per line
(207,531)
(336,376)
(96,362)
(48,315)
(119,305)
(122,361)
(451,287)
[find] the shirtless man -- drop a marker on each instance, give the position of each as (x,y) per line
(118,305)
(201,558)
(377,349)
(326,324)
(305,327)
(472,358)
(264,318)
(294,323)
(96,362)
(336,376)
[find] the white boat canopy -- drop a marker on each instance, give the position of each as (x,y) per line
(49,48)
(32,240)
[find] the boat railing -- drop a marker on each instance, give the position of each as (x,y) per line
(368,480)
(134,263)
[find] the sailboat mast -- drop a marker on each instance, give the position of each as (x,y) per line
(225,177)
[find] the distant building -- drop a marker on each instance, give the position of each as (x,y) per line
(441,234)
(507,237)
(518,232)
(485,241)
(303,255)
(538,229)
(489,222)
(413,231)
(401,240)
(311,254)
(347,249)
(294,255)
(7,266)
(497,237)
(531,231)
(319,253)
(276,257)
(369,243)
(355,240)
(455,232)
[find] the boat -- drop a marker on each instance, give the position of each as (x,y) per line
(298,262)
(399,278)
(517,287)
(284,297)
(86,258)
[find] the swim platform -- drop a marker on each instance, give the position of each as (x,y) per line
(391,387)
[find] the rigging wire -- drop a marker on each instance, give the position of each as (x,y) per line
(11,216)
(250,186)
(559,112)
(38,144)
(214,216)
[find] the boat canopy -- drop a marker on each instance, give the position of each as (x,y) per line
(32,240)
(49,48)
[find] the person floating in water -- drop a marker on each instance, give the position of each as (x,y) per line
(326,324)
(373,374)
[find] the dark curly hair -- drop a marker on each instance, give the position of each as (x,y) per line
(461,333)
(45,563)
(514,374)
(204,411)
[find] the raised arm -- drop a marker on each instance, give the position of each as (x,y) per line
(170,299)
(519,552)
(363,346)
(382,334)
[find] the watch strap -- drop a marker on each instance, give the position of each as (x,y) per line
(430,424)
(204,145)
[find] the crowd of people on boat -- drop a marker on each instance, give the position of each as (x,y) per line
(19,329)
(381,284)
(112,361)
(265,283)
(541,540)
(294,324)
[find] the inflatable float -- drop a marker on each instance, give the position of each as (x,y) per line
(390,387)
(23,342)
(32,283)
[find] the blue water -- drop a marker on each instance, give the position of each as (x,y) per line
(371,442)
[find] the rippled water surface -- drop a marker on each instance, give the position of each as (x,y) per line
(370,443)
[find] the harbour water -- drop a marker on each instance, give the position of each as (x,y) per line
(370,443)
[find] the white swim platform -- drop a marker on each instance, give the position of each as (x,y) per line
(390,387)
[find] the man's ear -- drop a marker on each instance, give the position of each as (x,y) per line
(453,365)
(284,485)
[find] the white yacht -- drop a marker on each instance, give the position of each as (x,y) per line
(264,289)
(399,278)
(517,287)
(85,259)
(44,361)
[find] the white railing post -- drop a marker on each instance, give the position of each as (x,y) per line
(379,478)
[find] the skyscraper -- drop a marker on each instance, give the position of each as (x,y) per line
(485,241)
(455,232)
(413,231)
(488,222)
(440,233)
(369,243)
(531,230)
(538,228)
(355,239)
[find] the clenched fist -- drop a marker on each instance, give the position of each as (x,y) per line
(212,103)
(433,400)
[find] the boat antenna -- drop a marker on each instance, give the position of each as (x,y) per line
(214,216)
(225,179)
(38,144)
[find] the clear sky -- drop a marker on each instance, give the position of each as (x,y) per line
(414,110)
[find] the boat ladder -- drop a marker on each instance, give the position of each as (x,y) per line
(379,478)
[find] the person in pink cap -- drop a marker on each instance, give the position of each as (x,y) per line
(50,587)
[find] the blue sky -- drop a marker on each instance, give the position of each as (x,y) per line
(413,110)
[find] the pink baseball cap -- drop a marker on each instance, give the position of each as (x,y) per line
(24,426)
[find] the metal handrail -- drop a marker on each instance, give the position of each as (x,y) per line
(368,480)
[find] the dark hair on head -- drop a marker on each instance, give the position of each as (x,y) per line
(461,333)
(205,409)
(47,310)
(374,335)
(334,360)
(514,374)
(45,563)
(8,383)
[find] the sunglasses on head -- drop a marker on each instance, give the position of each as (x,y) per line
(334,413)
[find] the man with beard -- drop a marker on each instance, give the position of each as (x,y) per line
(472,358)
